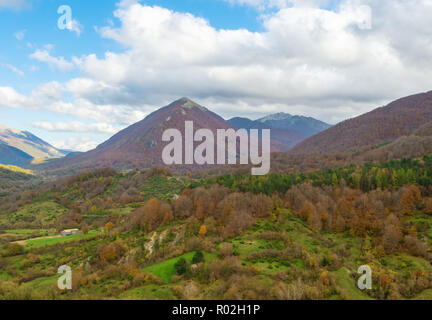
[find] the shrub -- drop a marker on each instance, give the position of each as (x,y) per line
(14,249)
(226,250)
(110,252)
(181,266)
(198,257)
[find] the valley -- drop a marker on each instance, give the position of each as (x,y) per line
(150,231)
(156,235)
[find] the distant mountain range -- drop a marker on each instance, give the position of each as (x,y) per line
(287,129)
(21,147)
(305,125)
(380,126)
(140,145)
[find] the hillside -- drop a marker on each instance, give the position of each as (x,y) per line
(14,178)
(415,145)
(13,156)
(383,125)
(140,145)
(241,237)
(24,146)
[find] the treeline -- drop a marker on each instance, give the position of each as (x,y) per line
(389,175)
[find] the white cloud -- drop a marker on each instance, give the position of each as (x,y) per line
(76,127)
(122,115)
(14,4)
(19,35)
(10,98)
(306,57)
(49,96)
(75,26)
(267,4)
(44,94)
(76,144)
(307,60)
(55,63)
(14,69)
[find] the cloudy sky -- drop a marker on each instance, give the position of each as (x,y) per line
(115,62)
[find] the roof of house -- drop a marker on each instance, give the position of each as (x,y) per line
(70,230)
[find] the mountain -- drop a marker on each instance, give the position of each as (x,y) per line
(13,156)
(23,146)
(415,145)
(287,129)
(287,137)
(245,123)
(305,125)
(140,145)
(380,126)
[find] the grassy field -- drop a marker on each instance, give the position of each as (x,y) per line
(149,292)
(24,234)
(165,269)
(42,282)
(425,295)
(351,291)
(22,231)
(50,241)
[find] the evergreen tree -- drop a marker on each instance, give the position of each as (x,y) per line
(198,257)
(181,266)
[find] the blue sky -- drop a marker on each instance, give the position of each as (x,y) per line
(122,59)
(38,24)
(33,26)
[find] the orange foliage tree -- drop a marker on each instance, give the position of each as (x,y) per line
(203,230)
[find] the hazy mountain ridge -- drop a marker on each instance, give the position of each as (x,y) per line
(383,133)
(285,128)
(287,137)
(306,125)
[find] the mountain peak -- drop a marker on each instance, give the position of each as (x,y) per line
(140,145)
(276,116)
(5,128)
(188,103)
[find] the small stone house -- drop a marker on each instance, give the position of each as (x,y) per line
(69,232)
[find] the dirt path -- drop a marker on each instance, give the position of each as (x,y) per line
(155,236)
(24,242)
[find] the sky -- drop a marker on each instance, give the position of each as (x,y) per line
(75,80)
